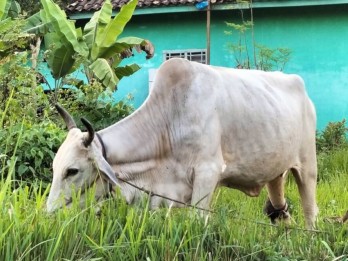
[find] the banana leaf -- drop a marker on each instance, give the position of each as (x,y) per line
(123,44)
(103,71)
(63,27)
(15,9)
(97,24)
(37,24)
(106,37)
(4,7)
(126,70)
(4,25)
(61,58)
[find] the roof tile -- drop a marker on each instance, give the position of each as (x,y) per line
(94,5)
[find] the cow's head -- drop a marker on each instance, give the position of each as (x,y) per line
(78,165)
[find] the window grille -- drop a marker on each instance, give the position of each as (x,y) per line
(197,55)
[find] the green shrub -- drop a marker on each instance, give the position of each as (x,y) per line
(19,82)
(91,102)
(33,144)
(332,150)
(39,137)
(35,140)
(332,164)
(334,136)
(31,130)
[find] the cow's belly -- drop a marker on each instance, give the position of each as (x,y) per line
(252,179)
(250,167)
(250,188)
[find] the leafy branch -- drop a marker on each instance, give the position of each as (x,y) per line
(263,57)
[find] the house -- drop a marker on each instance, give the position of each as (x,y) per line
(316,32)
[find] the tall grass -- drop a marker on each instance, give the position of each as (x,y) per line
(237,231)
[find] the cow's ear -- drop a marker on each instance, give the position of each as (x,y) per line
(105,168)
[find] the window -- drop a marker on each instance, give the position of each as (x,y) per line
(197,55)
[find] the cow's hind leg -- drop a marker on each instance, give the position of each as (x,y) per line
(276,207)
(306,179)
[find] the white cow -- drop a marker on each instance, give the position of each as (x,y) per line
(201,127)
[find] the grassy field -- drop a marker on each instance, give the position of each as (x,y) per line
(238,230)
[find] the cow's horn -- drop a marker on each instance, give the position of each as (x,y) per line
(69,121)
(88,140)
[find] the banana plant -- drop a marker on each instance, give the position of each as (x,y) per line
(106,51)
(96,47)
(63,41)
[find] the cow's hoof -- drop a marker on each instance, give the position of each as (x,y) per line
(277,214)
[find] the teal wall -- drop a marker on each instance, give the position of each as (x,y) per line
(317,36)
(166,32)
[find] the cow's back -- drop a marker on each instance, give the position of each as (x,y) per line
(264,105)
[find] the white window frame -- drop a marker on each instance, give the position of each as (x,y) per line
(189,54)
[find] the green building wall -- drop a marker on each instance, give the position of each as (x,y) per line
(317,37)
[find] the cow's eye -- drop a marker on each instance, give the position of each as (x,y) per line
(71,172)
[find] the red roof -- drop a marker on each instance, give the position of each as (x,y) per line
(95,5)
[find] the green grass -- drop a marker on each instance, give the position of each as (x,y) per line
(237,231)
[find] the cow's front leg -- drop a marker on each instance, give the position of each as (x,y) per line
(205,179)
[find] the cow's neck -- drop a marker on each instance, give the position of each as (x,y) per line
(138,138)
(136,147)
